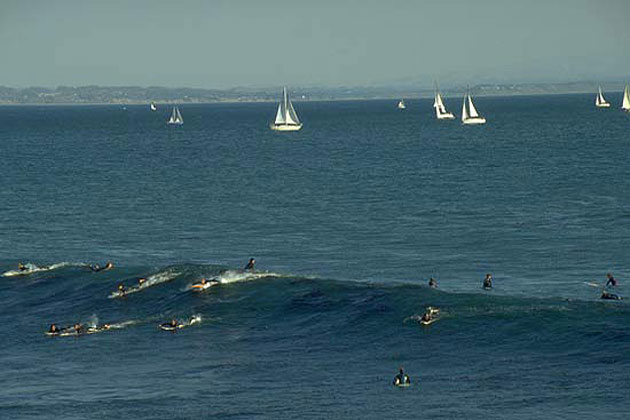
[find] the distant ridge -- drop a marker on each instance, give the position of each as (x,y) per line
(145,95)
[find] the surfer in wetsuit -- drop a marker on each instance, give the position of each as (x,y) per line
(487,282)
(401,378)
(250,265)
(96,267)
(79,329)
(610,296)
(22,267)
(54,329)
(122,290)
(611,280)
(427,317)
(141,281)
(433,283)
(173,324)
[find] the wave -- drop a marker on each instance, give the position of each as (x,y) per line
(152,280)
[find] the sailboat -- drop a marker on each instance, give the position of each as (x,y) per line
(153,107)
(600,102)
(469,112)
(401,104)
(286,117)
(440,110)
(625,105)
(176,117)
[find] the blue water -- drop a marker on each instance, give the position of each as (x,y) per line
(348,218)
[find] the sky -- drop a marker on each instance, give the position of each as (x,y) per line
(331,43)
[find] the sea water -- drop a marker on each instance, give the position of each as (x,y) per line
(347,219)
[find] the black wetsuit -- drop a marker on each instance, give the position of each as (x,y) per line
(249,266)
(401,379)
(611,281)
(487,284)
(432,283)
(610,296)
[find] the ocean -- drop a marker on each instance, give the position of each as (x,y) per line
(347,219)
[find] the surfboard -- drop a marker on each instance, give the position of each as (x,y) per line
(199,286)
(167,327)
(429,322)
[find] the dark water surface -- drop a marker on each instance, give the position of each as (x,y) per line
(349,218)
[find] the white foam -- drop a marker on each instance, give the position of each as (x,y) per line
(235,276)
(32,268)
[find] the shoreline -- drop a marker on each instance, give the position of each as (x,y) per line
(298,100)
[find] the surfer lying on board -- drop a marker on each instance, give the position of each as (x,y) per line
(433,283)
(401,378)
(429,314)
(170,325)
(97,267)
(122,290)
(487,282)
(30,266)
(610,296)
(250,265)
(611,280)
(54,329)
(141,281)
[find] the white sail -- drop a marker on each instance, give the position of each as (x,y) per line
(401,104)
(472,110)
(280,115)
(173,118)
(180,120)
(438,103)
(465,115)
(291,116)
(153,107)
(625,105)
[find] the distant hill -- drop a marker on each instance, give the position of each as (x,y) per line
(137,95)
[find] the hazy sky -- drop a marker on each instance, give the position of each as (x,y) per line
(220,44)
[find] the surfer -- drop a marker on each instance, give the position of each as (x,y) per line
(121,289)
(54,329)
(611,280)
(487,281)
(22,267)
(141,281)
(170,326)
(433,283)
(79,329)
(97,267)
(250,265)
(401,378)
(427,317)
(610,296)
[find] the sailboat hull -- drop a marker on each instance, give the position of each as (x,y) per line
(285,127)
(476,120)
(447,116)
(604,105)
